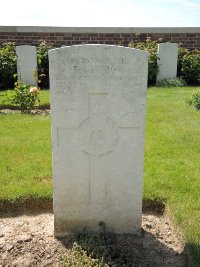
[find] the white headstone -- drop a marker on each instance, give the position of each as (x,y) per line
(26,64)
(167,62)
(98,96)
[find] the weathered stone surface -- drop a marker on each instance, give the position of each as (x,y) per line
(26,64)
(98,96)
(167,62)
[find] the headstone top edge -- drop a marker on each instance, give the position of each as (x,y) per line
(25,46)
(51,51)
(168,43)
(20,48)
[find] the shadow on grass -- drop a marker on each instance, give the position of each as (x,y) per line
(120,250)
(153,206)
(25,206)
(194,251)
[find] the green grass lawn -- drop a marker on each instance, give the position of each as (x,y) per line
(172,158)
(25,156)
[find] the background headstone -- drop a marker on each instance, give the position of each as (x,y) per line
(26,64)
(167,62)
(98,96)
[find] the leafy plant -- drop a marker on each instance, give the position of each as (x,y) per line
(43,62)
(23,96)
(189,66)
(181,53)
(78,257)
(8,65)
(195,100)
(151,47)
(177,82)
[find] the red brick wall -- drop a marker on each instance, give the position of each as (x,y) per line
(188,40)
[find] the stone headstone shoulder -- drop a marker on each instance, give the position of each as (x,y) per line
(98,96)
(167,61)
(26,64)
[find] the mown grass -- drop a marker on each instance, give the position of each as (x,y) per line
(25,156)
(172,164)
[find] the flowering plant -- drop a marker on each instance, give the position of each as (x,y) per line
(34,90)
(23,96)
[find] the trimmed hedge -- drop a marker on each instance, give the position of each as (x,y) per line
(43,63)
(189,66)
(8,65)
(151,47)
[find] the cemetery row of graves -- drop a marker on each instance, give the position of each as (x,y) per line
(26,68)
(171,173)
(188,64)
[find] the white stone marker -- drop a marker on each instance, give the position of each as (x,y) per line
(26,64)
(98,96)
(167,62)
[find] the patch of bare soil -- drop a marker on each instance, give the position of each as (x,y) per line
(29,241)
(33,112)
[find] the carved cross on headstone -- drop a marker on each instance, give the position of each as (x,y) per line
(97,136)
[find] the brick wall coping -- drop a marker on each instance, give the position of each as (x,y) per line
(44,29)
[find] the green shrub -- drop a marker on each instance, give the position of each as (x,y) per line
(177,82)
(151,47)
(23,96)
(195,100)
(8,65)
(181,53)
(189,66)
(43,63)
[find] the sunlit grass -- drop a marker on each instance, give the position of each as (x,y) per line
(172,158)
(25,156)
